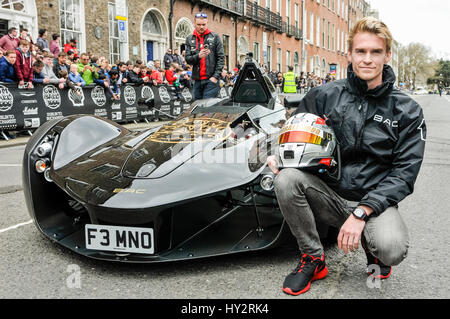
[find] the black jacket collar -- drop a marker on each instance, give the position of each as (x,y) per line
(359,87)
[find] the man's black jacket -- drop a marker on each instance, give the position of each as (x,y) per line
(214,61)
(134,78)
(381,133)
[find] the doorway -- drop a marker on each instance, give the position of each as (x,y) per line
(3,27)
(149,51)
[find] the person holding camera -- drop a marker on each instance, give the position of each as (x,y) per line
(204,51)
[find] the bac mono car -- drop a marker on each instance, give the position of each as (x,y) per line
(194,187)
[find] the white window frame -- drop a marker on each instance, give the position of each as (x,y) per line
(81,19)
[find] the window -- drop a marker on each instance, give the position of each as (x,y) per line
(323,33)
(328,36)
(114,43)
(279,63)
(269,58)
(338,41)
(279,7)
(296,11)
(256,51)
(288,13)
(226,50)
(333,38)
(288,60)
(318,32)
(70,20)
(311,28)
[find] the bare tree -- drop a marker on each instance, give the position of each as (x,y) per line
(416,63)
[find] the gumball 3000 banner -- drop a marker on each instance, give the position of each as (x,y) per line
(24,109)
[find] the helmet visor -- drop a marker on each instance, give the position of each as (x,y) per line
(300,137)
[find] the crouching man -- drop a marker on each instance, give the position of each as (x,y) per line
(381,133)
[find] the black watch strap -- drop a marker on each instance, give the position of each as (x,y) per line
(360,213)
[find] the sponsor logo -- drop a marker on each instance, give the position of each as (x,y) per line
(186,94)
(6,99)
(76,96)
(115,106)
(147,113)
(223,93)
(98,96)
(30,111)
(8,121)
(28,94)
(100,112)
(176,110)
(54,115)
(29,101)
(129,190)
(147,93)
(164,94)
(51,96)
(130,95)
(386,121)
(32,122)
(422,133)
(116,116)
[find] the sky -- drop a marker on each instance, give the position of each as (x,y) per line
(423,21)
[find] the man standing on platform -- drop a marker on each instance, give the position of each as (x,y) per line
(204,51)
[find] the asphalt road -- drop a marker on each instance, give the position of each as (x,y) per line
(33,267)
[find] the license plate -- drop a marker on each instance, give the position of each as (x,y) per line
(119,239)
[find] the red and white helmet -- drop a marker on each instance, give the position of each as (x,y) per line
(307,142)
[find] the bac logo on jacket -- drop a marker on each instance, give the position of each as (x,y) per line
(388,122)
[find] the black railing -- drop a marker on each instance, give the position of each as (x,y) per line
(234,6)
(290,30)
(262,15)
(298,33)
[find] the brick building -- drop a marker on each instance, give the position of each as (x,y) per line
(307,34)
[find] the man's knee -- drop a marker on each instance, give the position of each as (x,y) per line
(389,240)
(290,179)
(392,252)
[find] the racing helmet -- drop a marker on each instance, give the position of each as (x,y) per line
(307,142)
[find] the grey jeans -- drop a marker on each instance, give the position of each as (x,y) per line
(304,199)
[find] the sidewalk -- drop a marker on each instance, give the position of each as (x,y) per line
(23,140)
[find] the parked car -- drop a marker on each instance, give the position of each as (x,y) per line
(420,91)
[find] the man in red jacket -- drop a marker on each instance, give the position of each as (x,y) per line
(71,46)
(23,65)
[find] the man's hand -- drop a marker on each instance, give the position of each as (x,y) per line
(273,164)
(203,53)
(213,79)
(350,234)
(46,80)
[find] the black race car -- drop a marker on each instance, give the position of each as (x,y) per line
(191,188)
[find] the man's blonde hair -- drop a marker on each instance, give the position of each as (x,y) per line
(371,25)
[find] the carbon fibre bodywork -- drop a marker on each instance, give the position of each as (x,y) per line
(195,181)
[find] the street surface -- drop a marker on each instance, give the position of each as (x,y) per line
(31,266)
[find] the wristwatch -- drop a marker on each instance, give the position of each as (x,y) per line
(360,213)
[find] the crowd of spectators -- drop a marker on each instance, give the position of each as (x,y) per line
(304,81)
(26,62)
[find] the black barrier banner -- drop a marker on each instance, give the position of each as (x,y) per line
(22,109)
